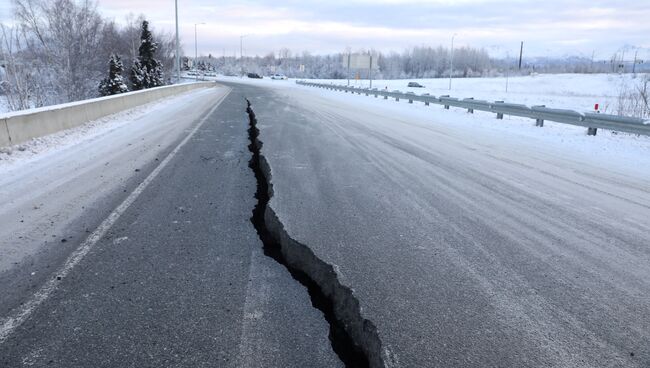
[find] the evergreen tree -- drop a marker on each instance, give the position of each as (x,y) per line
(114,83)
(147,72)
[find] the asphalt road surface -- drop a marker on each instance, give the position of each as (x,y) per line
(460,250)
(463,250)
(180,279)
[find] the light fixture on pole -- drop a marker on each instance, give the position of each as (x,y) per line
(196,49)
(451,59)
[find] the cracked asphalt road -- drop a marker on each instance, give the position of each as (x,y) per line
(463,250)
(180,280)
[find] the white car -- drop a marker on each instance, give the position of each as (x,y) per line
(279,76)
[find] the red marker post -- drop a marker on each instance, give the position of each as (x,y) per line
(590,130)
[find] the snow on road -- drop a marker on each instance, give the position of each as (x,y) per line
(610,151)
(50,183)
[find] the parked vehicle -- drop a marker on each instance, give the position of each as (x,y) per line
(279,76)
(415,85)
(254,76)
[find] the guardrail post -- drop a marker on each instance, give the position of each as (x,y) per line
(410,100)
(539,122)
(469,109)
(446,106)
(592,131)
(499,114)
(396,98)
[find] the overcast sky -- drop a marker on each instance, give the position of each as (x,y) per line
(548,27)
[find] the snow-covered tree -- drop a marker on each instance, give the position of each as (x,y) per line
(114,83)
(146,72)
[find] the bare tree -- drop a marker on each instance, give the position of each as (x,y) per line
(634,100)
(58,49)
(17,84)
(61,39)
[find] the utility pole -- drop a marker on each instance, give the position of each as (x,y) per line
(507,69)
(241,52)
(521,53)
(623,61)
(196,50)
(370,71)
(451,60)
(591,67)
(349,56)
(178,54)
(634,64)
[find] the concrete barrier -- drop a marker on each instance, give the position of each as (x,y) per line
(20,126)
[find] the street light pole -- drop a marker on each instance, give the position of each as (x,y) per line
(196,49)
(451,60)
(241,52)
(178,55)
(507,69)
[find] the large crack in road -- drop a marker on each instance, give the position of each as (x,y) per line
(354,339)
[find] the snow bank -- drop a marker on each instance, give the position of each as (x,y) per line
(20,126)
(38,147)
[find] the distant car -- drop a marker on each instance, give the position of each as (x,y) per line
(415,85)
(279,76)
(254,76)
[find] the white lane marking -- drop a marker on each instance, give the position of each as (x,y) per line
(17,318)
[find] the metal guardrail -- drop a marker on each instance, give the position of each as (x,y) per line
(592,121)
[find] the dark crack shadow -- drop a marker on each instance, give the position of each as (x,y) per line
(353,338)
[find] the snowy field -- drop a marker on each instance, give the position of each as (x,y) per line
(565,91)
